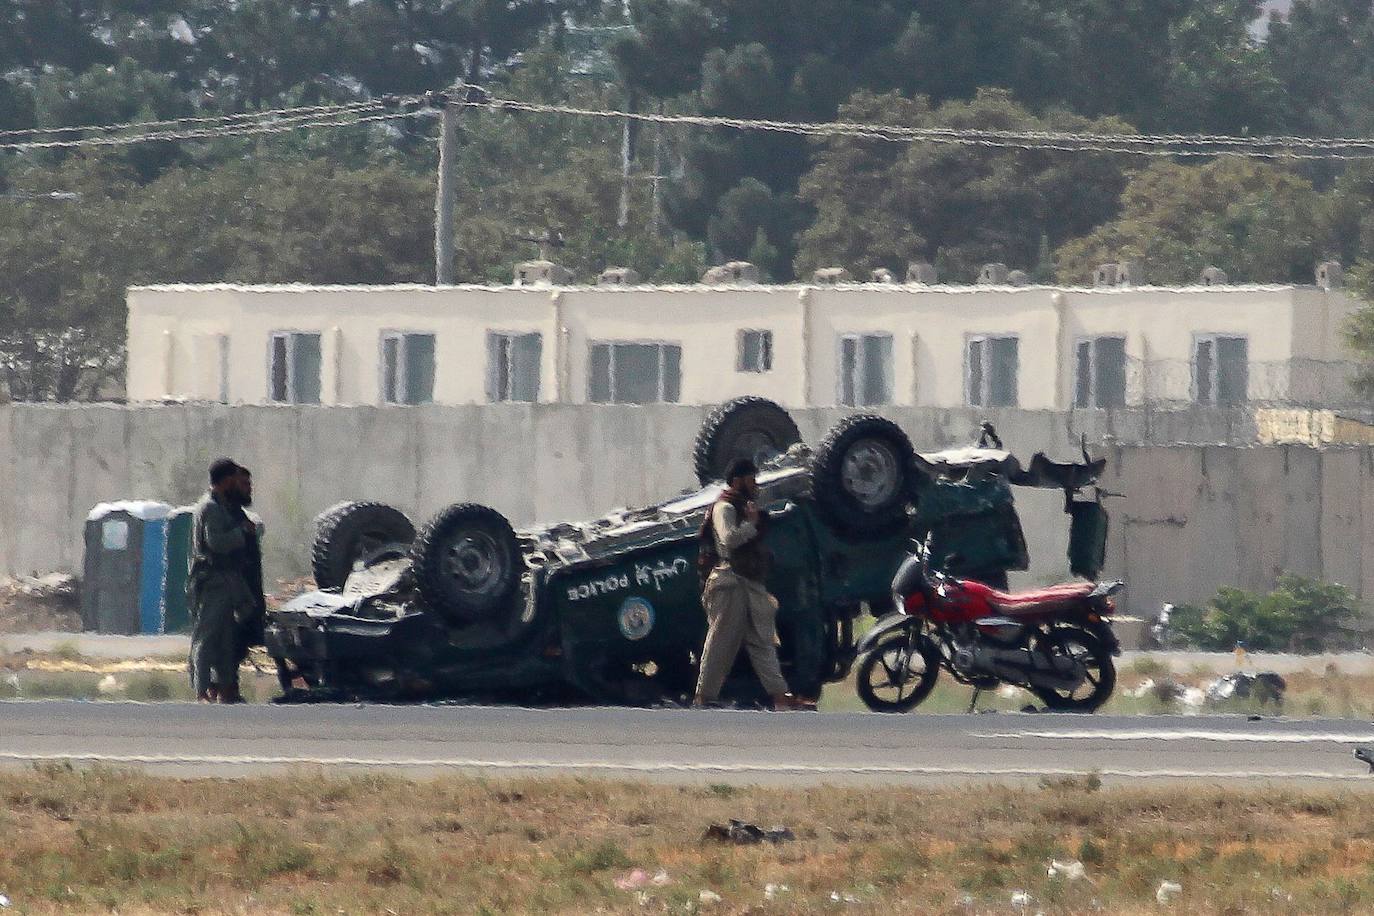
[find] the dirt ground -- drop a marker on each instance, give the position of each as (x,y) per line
(102,840)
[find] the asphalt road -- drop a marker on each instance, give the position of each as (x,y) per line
(684,745)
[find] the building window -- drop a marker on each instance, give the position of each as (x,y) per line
(1221,370)
(755,351)
(513,362)
(635,373)
(865,370)
(294,373)
(991,369)
(407,368)
(1100,372)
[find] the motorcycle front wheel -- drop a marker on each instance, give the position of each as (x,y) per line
(898,673)
(1099,670)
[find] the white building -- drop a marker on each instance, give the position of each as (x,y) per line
(1033,347)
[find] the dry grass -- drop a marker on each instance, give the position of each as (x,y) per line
(101,840)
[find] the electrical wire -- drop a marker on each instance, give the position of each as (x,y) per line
(215,133)
(318,110)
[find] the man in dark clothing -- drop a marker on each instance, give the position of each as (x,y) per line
(739,609)
(220,588)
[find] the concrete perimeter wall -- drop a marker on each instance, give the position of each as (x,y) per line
(1195,516)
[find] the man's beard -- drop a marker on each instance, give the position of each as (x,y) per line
(240,499)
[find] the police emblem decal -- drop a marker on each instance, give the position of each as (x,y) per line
(636,618)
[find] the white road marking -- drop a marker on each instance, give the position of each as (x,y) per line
(659,767)
(1171,735)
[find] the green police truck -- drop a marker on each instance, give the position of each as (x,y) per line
(609,610)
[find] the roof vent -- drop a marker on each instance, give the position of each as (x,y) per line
(618,276)
(1213,276)
(1330,275)
(1105,275)
(993,275)
(1018,278)
(882,275)
(831,276)
(921,272)
(735,272)
(541,273)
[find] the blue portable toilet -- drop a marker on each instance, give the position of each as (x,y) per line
(125,567)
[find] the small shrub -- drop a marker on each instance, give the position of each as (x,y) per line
(1299,615)
(604,855)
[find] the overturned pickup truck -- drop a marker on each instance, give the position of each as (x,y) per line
(608,611)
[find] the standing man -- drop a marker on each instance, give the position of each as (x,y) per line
(218,587)
(739,609)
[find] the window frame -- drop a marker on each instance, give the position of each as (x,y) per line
(856,382)
(292,381)
(1095,396)
(985,391)
(1214,376)
(507,339)
(660,345)
(764,354)
(402,367)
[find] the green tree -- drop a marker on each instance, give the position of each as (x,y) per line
(883,204)
(1260,223)
(1299,615)
(1322,54)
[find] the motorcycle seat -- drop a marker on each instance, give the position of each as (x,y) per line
(1041,600)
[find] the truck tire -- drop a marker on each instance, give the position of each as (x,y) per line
(860,476)
(748,427)
(467,562)
(350,532)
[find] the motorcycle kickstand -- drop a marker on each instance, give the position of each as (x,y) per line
(973,703)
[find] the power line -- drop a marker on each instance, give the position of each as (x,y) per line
(1163,145)
(342,115)
(319,110)
(302,122)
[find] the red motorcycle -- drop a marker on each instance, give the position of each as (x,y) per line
(1055,642)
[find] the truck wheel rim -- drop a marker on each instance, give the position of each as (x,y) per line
(473,564)
(870,473)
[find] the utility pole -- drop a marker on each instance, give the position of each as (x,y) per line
(448,172)
(627,156)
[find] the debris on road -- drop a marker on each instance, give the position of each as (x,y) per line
(1266,687)
(743,834)
(1168,890)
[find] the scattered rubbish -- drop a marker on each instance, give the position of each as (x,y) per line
(640,878)
(643,898)
(1266,687)
(837,897)
(1365,754)
(4,902)
(709,897)
(744,834)
(109,684)
(1069,871)
(1192,698)
(1168,890)
(1277,893)
(774,891)
(1141,689)
(1021,899)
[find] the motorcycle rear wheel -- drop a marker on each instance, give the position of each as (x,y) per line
(887,680)
(1089,651)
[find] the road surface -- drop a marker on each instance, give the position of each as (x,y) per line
(683,745)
